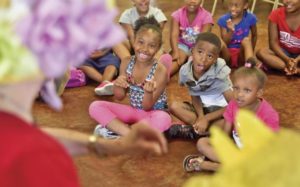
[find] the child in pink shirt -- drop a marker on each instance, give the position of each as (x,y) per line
(248,84)
(187,22)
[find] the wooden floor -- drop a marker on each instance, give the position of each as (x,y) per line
(282,92)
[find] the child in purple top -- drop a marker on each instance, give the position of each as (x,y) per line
(248,84)
(187,22)
(235,27)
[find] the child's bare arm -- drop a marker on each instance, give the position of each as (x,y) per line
(197,103)
(154,88)
(120,84)
(201,123)
(174,38)
(121,51)
(130,33)
(274,43)
(253,35)
(228,94)
(227,127)
(207,27)
(226,35)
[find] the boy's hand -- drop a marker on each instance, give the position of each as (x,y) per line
(121,81)
(200,126)
(230,25)
(150,86)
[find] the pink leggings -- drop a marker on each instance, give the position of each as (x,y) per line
(104,112)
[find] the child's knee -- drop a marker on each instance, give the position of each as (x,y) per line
(202,144)
(174,106)
(94,106)
(261,52)
(165,120)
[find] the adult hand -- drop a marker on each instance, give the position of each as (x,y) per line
(121,81)
(143,139)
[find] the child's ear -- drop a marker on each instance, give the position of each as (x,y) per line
(260,93)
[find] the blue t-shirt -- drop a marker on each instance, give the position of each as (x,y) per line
(241,30)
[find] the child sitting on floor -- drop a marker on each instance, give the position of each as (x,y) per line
(146,81)
(248,85)
(141,8)
(187,22)
(284,39)
(235,27)
(207,78)
(102,66)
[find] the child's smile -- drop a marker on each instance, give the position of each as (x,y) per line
(146,45)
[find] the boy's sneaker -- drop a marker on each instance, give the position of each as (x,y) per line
(184,132)
(105,133)
(105,88)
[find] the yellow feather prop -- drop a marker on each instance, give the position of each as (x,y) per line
(266,159)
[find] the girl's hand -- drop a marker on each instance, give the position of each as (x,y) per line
(200,126)
(121,81)
(150,86)
(230,25)
(291,68)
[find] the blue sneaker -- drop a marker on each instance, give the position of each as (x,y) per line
(105,133)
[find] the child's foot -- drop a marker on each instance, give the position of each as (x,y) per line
(183,131)
(105,133)
(193,163)
(105,88)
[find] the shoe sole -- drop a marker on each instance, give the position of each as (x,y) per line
(105,90)
(105,133)
(186,160)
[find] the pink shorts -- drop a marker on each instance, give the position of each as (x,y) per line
(234,57)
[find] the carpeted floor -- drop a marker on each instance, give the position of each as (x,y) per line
(282,92)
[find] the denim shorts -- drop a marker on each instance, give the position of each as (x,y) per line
(291,55)
(102,62)
(186,49)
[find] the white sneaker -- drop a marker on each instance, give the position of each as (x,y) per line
(105,88)
(105,133)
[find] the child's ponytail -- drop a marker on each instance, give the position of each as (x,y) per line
(251,63)
(251,69)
